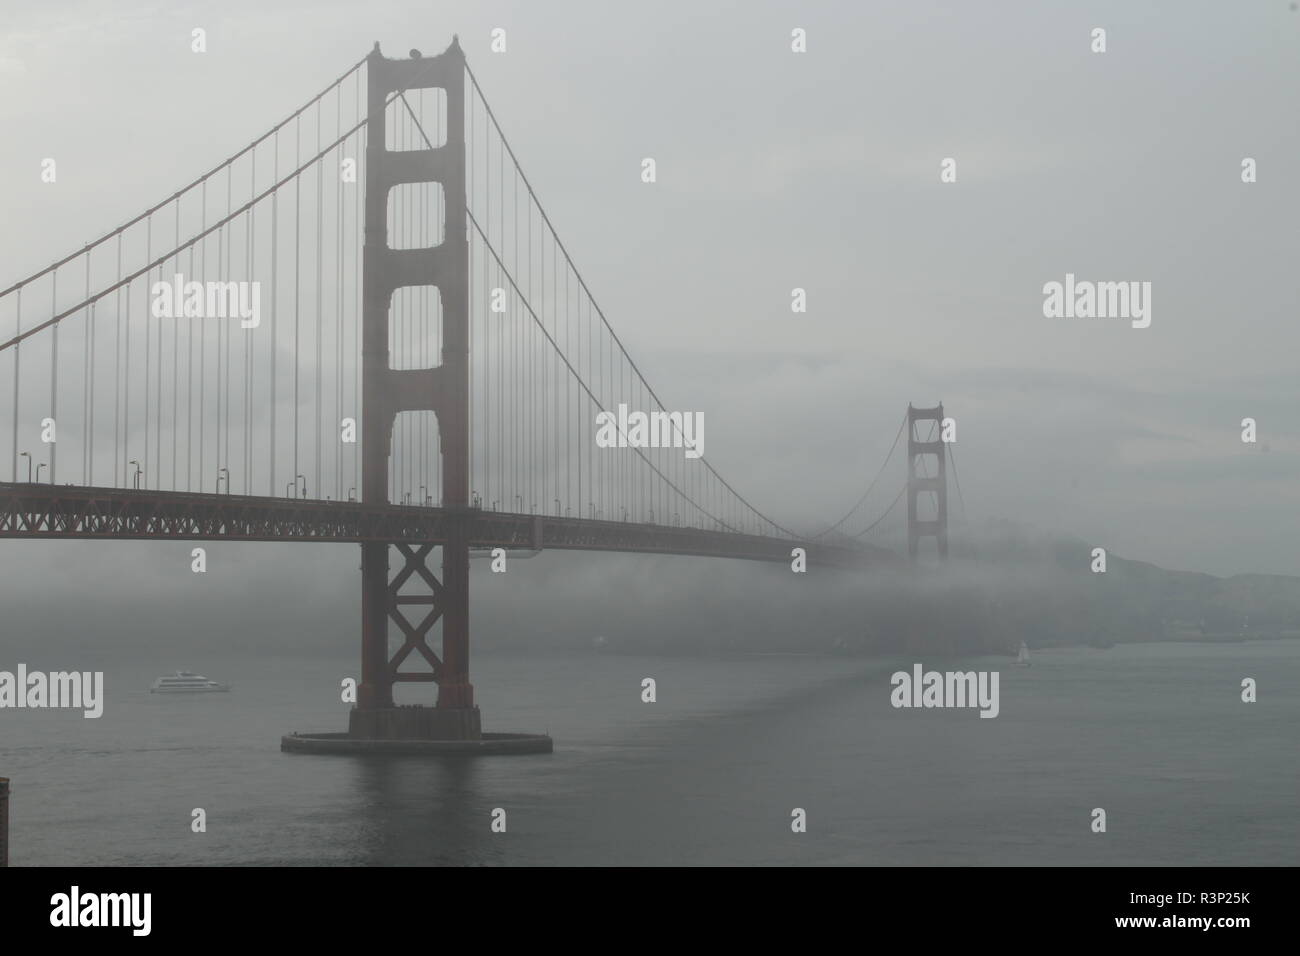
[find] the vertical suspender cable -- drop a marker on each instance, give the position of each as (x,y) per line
(18,328)
(250,269)
(275,312)
(318,479)
(176,336)
(203,350)
(85,382)
(297,260)
(54,366)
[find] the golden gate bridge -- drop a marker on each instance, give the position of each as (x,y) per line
(363,327)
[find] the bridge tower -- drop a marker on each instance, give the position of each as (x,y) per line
(386,392)
(923,483)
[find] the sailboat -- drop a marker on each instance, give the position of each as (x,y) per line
(1022,658)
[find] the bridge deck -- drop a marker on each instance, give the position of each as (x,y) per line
(69,511)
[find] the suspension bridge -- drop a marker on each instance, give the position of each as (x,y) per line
(363,327)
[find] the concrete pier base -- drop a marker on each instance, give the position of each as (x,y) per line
(416,723)
(416,731)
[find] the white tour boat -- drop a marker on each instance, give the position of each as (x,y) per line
(183,682)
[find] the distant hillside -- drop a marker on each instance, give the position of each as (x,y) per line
(1049,592)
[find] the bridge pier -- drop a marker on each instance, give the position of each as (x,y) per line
(375,690)
(455,692)
(415,723)
(376,724)
(445,601)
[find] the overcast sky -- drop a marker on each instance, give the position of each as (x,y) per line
(818,170)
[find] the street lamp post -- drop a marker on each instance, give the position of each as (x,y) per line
(138,472)
(28,456)
(38,472)
(304,485)
(220,473)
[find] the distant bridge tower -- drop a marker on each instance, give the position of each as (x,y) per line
(386,392)
(920,481)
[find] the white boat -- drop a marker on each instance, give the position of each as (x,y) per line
(184,682)
(1022,658)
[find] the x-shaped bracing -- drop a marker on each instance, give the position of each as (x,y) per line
(415,634)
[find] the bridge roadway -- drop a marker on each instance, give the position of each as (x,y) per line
(72,511)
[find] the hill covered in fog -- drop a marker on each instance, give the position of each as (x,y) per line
(1005,583)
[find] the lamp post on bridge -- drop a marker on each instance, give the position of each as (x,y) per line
(303,479)
(138,472)
(223,472)
(28,456)
(38,472)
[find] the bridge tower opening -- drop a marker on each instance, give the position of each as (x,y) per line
(927,480)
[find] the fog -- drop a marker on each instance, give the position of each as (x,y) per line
(776,171)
